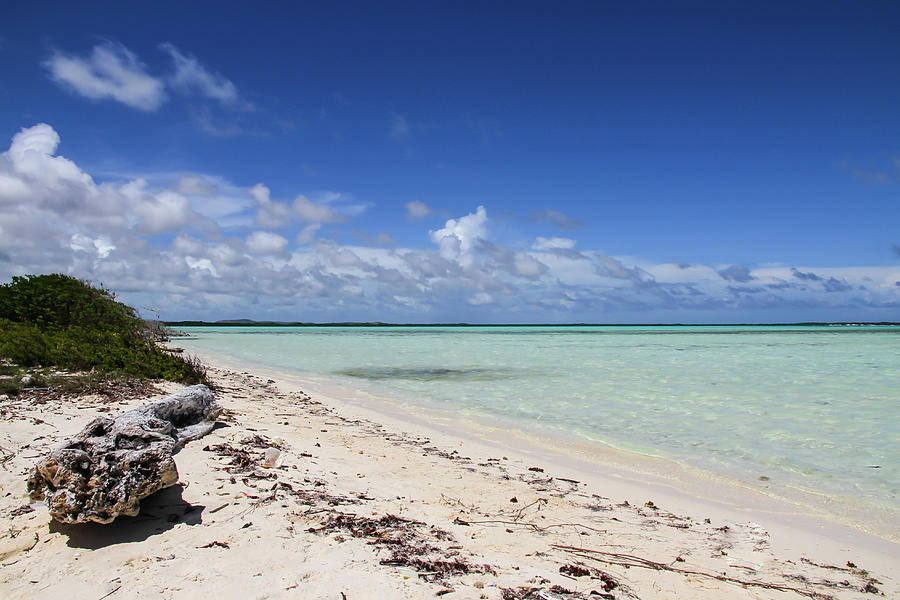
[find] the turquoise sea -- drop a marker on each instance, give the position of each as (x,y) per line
(814,408)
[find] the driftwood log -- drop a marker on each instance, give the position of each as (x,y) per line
(107,468)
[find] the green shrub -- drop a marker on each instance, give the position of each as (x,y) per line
(62,321)
(57,302)
(10,386)
(23,343)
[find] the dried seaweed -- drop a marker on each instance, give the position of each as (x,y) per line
(241,460)
(409,546)
(556,592)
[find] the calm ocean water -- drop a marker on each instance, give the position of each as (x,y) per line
(816,408)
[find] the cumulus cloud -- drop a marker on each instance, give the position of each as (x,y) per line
(51,193)
(274,213)
(528,266)
(164,211)
(110,72)
(162,241)
(417,210)
(100,246)
(190,76)
(33,163)
(266,242)
(316,212)
(459,235)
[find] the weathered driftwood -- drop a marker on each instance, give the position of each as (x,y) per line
(106,469)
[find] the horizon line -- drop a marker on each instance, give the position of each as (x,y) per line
(253,323)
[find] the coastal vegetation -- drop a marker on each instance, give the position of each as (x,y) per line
(62,322)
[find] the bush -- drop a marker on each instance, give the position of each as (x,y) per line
(57,302)
(62,321)
(23,344)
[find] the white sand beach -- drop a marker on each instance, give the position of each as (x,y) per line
(356,503)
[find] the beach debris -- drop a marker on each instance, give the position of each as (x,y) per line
(556,592)
(22,510)
(574,570)
(410,543)
(241,460)
(271,458)
(631,560)
(108,467)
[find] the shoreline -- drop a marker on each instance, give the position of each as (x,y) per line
(785,506)
(365,505)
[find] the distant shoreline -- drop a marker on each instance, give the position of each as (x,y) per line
(252,323)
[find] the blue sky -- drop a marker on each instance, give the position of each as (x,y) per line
(579,161)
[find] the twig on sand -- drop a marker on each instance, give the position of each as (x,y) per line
(535,526)
(110,593)
(630,560)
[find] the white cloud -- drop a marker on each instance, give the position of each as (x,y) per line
(229,208)
(528,266)
(101,247)
(194,185)
(111,72)
(104,246)
(553,243)
(459,235)
(276,214)
(480,298)
(307,234)
(42,186)
(12,189)
(337,256)
(161,240)
(266,242)
(417,210)
(31,153)
(187,245)
(165,211)
(314,212)
(268,212)
(192,77)
(201,264)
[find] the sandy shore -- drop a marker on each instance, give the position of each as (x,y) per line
(361,504)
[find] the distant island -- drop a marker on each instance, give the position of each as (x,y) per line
(252,323)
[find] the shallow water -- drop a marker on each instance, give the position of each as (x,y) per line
(815,408)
